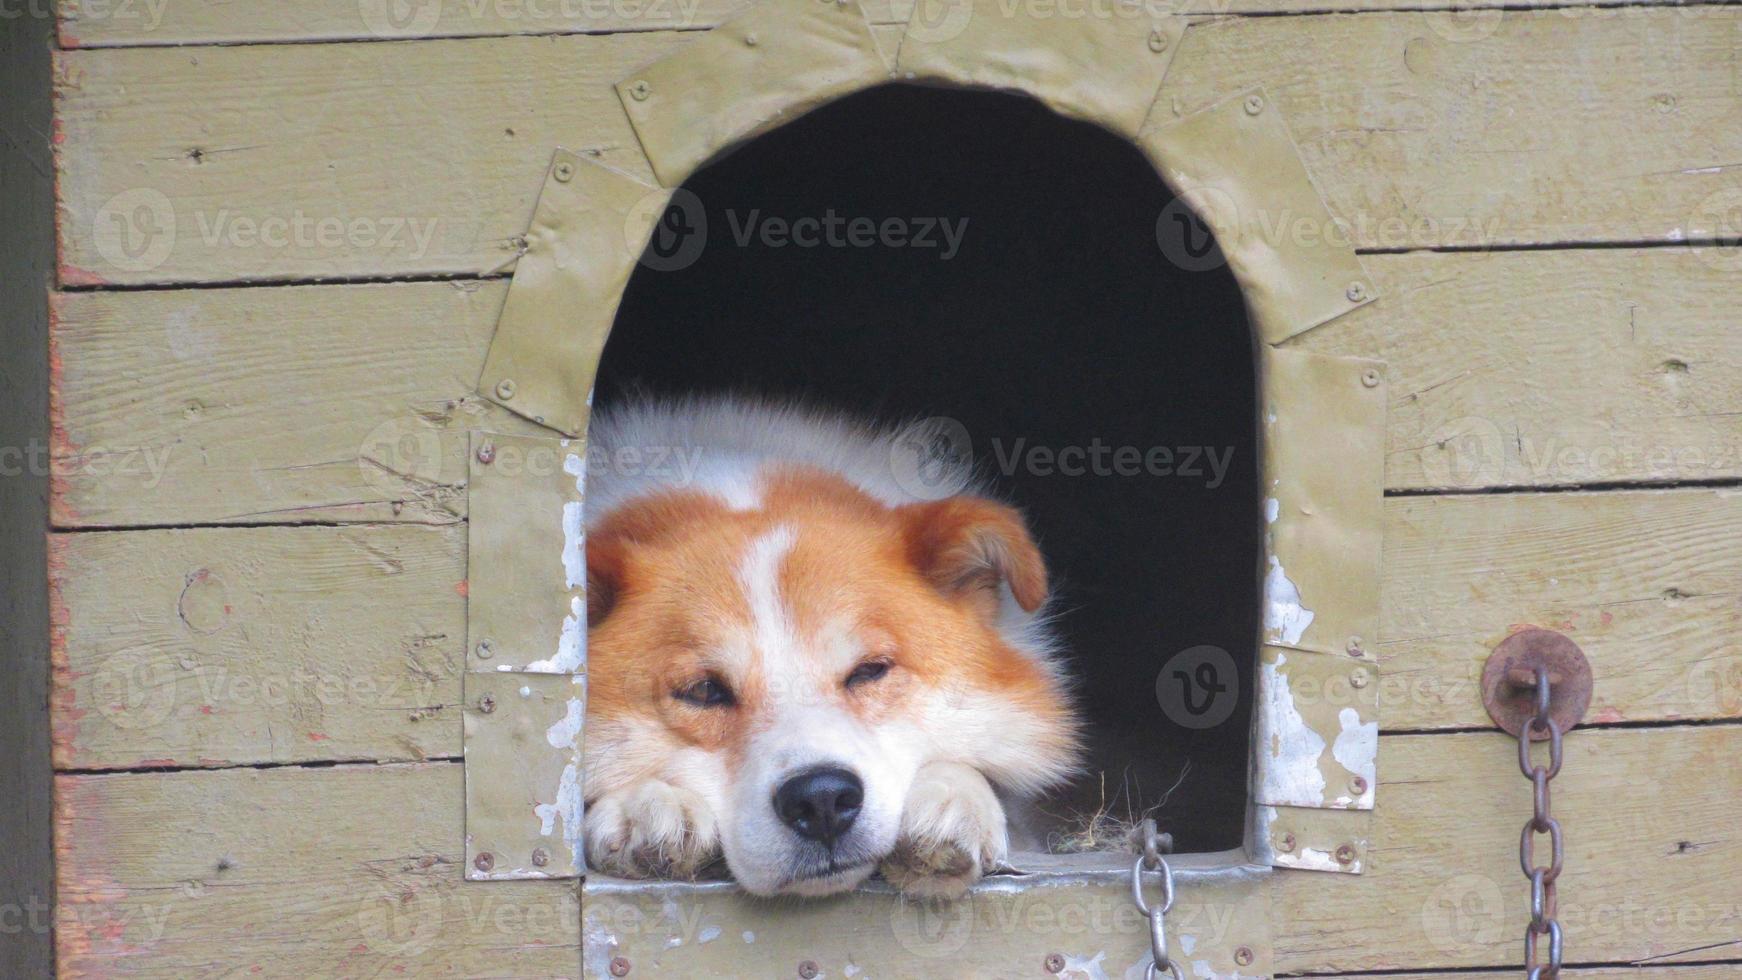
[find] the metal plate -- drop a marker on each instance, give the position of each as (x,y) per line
(586,236)
(1309,839)
(1316,730)
(1104,69)
(526,607)
(1007,926)
(523,775)
(767,66)
(1238,169)
(1511,702)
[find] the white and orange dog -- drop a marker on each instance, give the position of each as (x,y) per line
(800,666)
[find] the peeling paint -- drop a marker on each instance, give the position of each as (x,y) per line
(1088,968)
(1285,619)
(1356,748)
(1292,748)
(571,651)
(1272,510)
(563,733)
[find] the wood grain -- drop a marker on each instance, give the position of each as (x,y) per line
(258,645)
(1651,852)
(172,640)
(344,872)
(348,871)
(1421,130)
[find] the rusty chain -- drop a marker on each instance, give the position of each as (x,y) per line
(1542,879)
(1154,846)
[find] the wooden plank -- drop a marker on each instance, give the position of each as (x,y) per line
(1541,369)
(175,407)
(26,261)
(1651,839)
(1645,581)
(342,872)
(285,406)
(424,157)
(1710,971)
(258,645)
(135,23)
(349,870)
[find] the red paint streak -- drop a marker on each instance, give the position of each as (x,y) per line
(60,444)
(64,712)
(156,763)
(206,709)
(317,737)
(463,588)
(1608,617)
(1609,715)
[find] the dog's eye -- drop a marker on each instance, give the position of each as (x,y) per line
(867,672)
(709,693)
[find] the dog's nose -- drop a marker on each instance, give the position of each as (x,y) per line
(821,804)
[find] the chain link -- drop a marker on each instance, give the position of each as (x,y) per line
(1542,879)
(1154,846)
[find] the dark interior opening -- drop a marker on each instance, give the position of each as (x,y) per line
(1062,317)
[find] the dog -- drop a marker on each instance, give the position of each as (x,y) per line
(808,656)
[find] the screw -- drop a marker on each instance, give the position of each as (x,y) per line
(1346,854)
(1157,41)
(1357,293)
(486,649)
(486,704)
(1254,104)
(620,967)
(1358,679)
(750,40)
(1354,647)
(565,172)
(484,861)
(1370,378)
(1287,843)
(808,970)
(640,90)
(1055,963)
(540,857)
(487,453)
(1243,956)
(1358,785)
(505,389)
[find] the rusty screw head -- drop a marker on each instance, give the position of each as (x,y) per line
(486,704)
(486,649)
(1346,854)
(484,861)
(1055,963)
(564,172)
(540,857)
(1287,843)
(1354,647)
(620,967)
(1243,956)
(1358,785)
(808,970)
(487,453)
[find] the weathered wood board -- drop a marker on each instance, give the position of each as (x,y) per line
(348,870)
(1712,971)
(258,645)
(343,872)
(304,404)
(178,407)
(283,162)
(1645,580)
(1650,872)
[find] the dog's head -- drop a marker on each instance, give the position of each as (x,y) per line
(795,662)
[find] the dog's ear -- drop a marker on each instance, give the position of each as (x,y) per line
(969,547)
(606,558)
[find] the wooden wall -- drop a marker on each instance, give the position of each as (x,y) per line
(259,616)
(26,264)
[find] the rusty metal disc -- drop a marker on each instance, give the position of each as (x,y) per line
(1508,685)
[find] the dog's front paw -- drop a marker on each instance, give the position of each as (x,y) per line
(652,830)
(952,832)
